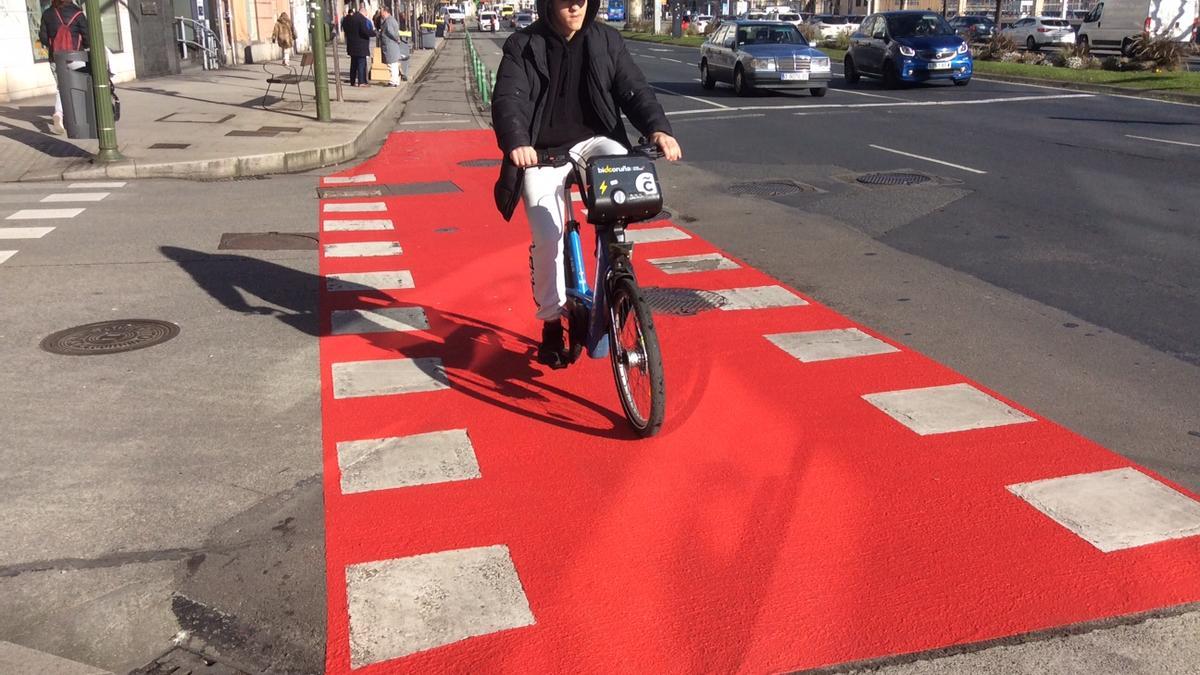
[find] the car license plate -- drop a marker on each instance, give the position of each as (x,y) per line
(793,76)
(939,65)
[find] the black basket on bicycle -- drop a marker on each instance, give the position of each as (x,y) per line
(622,188)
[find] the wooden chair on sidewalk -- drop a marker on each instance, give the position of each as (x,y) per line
(276,75)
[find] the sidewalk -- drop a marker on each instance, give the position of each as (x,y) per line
(205,124)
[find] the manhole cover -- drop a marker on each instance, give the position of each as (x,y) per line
(771,188)
(479,162)
(681,301)
(267,241)
(109,337)
(893,178)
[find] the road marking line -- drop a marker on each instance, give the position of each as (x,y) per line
(438,122)
(363,249)
(656,49)
(342,180)
(1114,510)
(651,235)
(5,255)
(353,207)
(1043,86)
(928,159)
(403,606)
(44,214)
(864,93)
(759,297)
(828,345)
(941,410)
(663,58)
(704,262)
(388,377)
(1163,140)
(724,117)
(1010,99)
(369,281)
(356,225)
(406,461)
(381,320)
(75,197)
(102,185)
(694,98)
(24,232)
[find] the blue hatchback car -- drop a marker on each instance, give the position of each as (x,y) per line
(908,47)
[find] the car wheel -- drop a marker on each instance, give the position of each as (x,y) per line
(818,91)
(1031,44)
(963,82)
(1127,48)
(891,79)
(851,73)
(706,78)
(740,86)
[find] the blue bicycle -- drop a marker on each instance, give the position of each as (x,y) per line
(613,319)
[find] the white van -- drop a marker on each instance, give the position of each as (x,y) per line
(1117,23)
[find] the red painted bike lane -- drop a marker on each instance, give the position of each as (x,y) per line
(818,496)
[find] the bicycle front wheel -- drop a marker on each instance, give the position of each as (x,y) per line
(636,359)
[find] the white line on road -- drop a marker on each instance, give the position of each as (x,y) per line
(863,93)
(24,232)
(655,49)
(5,255)
(44,214)
(927,159)
(1163,140)
(725,117)
(75,197)
(694,98)
(671,60)
(109,185)
(437,122)
(907,104)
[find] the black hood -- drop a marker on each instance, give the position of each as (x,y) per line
(543,10)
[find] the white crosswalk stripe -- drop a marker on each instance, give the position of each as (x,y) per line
(5,255)
(24,232)
(44,214)
(75,197)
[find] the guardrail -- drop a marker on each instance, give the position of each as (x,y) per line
(483,79)
(202,38)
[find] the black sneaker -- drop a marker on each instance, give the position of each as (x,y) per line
(552,352)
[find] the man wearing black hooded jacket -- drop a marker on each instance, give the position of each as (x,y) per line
(562,86)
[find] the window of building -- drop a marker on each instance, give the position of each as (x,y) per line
(34,9)
(110,18)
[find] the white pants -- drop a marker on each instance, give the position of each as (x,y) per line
(545,202)
(395,71)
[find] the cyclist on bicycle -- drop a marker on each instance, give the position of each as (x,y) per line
(561,88)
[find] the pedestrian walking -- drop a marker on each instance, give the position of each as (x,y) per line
(64,28)
(358,30)
(284,35)
(394,47)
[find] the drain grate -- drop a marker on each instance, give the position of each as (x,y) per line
(267,241)
(180,661)
(893,179)
(681,301)
(479,162)
(109,337)
(770,188)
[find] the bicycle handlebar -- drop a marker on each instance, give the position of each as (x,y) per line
(549,159)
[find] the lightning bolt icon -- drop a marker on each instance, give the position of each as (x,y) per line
(603,187)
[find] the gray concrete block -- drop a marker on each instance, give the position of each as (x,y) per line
(940,410)
(357,225)
(704,262)
(346,180)
(403,606)
(363,249)
(651,235)
(826,345)
(383,320)
(369,281)
(385,377)
(17,659)
(759,297)
(353,207)
(386,463)
(1114,510)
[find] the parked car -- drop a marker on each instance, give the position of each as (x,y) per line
(789,17)
(489,21)
(830,26)
(523,20)
(908,46)
(454,14)
(1117,23)
(701,22)
(1036,32)
(762,55)
(974,28)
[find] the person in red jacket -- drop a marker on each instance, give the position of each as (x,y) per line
(62,13)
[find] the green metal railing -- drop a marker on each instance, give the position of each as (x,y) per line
(482,77)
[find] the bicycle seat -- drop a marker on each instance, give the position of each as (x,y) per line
(622,188)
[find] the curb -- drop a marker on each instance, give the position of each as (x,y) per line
(291,161)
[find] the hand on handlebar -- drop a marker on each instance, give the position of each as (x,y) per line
(667,145)
(524,156)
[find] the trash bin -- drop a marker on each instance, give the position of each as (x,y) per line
(75,89)
(428,39)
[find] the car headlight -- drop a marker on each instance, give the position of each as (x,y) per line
(962,48)
(820,63)
(905,50)
(762,64)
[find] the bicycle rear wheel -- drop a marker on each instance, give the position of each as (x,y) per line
(636,359)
